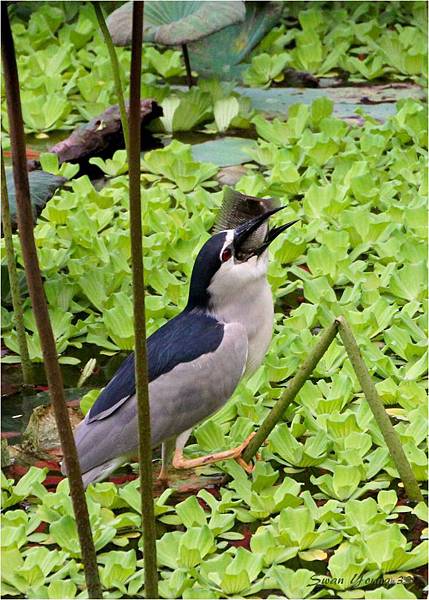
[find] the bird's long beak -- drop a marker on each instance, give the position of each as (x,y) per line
(271,236)
(243,232)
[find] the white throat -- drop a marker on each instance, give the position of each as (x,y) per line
(239,292)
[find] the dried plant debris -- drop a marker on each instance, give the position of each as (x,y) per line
(101,137)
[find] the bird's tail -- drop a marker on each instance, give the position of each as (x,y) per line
(98,473)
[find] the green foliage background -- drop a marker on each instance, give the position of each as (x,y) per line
(324,499)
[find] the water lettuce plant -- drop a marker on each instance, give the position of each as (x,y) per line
(323,513)
(365,41)
(205,554)
(70,68)
(351,40)
(350,253)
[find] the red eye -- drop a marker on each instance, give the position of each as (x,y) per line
(226,254)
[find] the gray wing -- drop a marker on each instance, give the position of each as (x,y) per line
(179,400)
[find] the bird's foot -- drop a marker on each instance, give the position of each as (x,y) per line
(180,462)
(248,467)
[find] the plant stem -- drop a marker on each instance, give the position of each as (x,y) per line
(35,286)
(115,69)
(303,373)
(142,391)
(27,371)
(391,438)
(187,66)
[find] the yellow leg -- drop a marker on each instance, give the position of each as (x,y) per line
(179,462)
(246,466)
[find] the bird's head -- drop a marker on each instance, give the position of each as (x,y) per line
(232,259)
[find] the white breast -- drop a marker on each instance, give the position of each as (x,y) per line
(257,317)
(246,300)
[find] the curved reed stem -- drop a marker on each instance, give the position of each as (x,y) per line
(40,308)
(115,70)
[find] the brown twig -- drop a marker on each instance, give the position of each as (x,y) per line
(40,309)
(141,371)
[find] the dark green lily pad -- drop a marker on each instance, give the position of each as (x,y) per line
(224,152)
(175,23)
(42,187)
(221,52)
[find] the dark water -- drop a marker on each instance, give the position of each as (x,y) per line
(17,403)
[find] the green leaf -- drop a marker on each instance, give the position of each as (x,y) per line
(166,549)
(119,321)
(321,108)
(409,281)
(176,23)
(167,64)
(190,512)
(88,400)
(265,543)
(61,589)
(265,68)
(209,436)
(51,115)
(398,591)
(299,531)
(185,110)
(118,567)
(64,533)
(114,166)
(224,112)
(318,288)
(241,571)
(294,584)
(390,557)
(29,485)
(194,545)
(345,566)
(416,370)
(387,500)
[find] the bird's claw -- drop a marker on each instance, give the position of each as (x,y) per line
(246,466)
(239,459)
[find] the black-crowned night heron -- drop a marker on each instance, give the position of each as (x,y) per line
(196,360)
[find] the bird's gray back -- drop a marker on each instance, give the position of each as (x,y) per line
(179,399)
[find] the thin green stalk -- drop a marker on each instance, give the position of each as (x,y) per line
(303,373)
(141,370)
(115,70)
(390,436)
(27,371)
(40,309)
